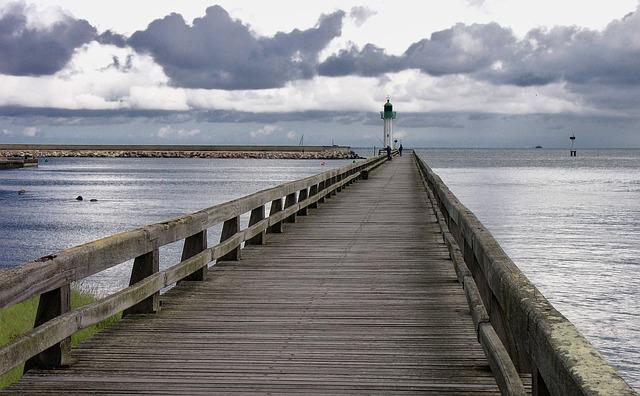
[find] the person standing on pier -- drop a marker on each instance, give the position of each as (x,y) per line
(388,152)
(400,150)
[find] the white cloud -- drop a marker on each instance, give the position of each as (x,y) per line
(266,130)
(43,17)
(410,91)
(476,3)
(88,82)
(168,131)
(360,14)
(291,135)
(6,132)
(30,131)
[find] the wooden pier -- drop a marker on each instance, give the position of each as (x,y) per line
(354,283)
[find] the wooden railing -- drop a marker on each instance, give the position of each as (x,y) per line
(47,345)
(507,377)
(539,339)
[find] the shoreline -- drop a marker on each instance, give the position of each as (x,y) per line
(261,154)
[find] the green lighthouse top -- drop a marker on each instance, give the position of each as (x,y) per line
(388,112)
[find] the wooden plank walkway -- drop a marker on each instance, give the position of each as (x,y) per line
(357,297)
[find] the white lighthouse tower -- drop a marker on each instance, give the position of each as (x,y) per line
(388,115)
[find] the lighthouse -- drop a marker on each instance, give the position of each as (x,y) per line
(388,115)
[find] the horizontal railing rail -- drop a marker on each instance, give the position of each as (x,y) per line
(50,277)
(539,339)
(505,372)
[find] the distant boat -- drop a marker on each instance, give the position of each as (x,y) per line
(538,146)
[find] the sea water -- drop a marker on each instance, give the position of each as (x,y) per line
(572,225)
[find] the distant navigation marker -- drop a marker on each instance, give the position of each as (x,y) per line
(388,115)
(572,152)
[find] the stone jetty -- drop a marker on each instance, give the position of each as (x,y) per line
(262,152)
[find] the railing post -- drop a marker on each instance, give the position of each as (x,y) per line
(302,195)
(276,206)
(338,180)
(257,215)
(52,304)
(333,181)
(327,184)
(349,173)
(321,186)
(289,201)
(229,229)
(193,245)
(313,191)
(143,266)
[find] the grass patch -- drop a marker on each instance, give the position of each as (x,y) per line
(19,318)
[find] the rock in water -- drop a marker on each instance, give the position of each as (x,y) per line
(93,200)
(79,198)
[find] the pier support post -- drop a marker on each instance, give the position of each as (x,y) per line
(257,215)
(302,195)
(313,191)
(52,304)
(276,206)
(229,229)
(289,201)
(193,245)
(143,266)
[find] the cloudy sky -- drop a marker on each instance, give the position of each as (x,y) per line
(461,73)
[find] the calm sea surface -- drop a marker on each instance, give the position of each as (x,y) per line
(572,225)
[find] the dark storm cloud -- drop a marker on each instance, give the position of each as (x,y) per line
(33,51)
(109,37)
(217,51)
(575,55)
(370,61)
(492,53)
(460,49)
(66,116)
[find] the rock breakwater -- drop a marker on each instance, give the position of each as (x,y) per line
(326,154)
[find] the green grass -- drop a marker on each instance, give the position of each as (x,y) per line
(18,319)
